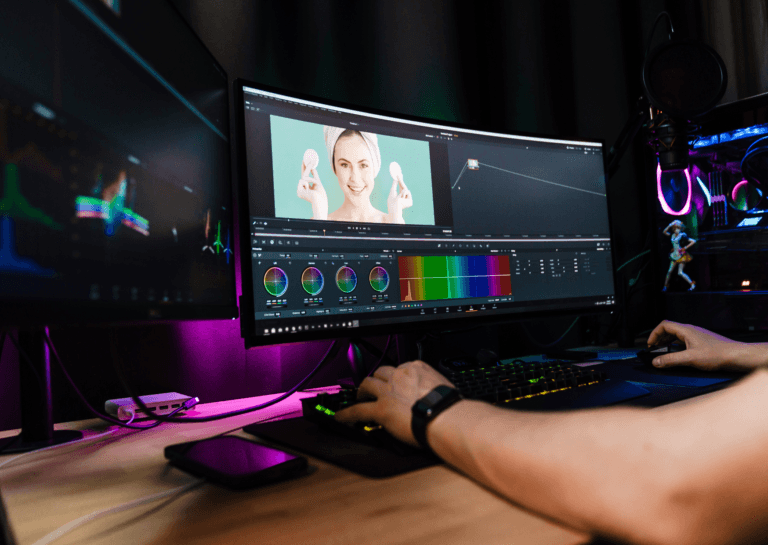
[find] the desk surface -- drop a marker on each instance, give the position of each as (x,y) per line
(43,491)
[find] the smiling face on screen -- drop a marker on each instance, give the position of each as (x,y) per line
(354,169)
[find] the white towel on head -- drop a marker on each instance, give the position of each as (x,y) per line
(371,140)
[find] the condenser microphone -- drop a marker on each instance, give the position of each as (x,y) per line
(683,80)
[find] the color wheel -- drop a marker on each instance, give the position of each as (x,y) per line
(276,281)
(312,280)
(379,279)
(346,279)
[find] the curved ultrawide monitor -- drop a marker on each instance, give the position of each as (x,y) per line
(115,188)
(361,222)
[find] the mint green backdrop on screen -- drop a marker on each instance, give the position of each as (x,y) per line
(291,138)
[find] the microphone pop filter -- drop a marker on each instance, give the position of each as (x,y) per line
(684,78)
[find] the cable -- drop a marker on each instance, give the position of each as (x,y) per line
(59,532)
(191,402)
(84,439)
(633,281)
(187,404)
(653,29)
(332,350)
(553,343)
(383,355)
(627,262)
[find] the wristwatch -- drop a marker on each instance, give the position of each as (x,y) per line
(428,407)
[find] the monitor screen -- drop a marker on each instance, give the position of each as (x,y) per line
(114,165)
(364,222)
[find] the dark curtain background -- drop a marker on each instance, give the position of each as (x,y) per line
(738,30)
(561,67)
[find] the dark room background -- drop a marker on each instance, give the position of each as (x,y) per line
(560,67)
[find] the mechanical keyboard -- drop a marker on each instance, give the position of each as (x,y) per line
(506,383)
(321,409)
(502,384)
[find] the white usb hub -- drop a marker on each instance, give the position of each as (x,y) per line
(158,404)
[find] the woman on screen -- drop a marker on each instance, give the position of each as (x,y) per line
(356,160)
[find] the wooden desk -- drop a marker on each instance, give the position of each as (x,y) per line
(437,505)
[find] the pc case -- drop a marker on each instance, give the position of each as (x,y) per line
(727,217)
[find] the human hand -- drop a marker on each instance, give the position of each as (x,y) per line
(311,190)
(395,391)
(704,349)
(397,202)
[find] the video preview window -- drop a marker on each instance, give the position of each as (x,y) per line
(358,176)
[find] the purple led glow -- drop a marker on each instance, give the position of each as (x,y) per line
(663,201)
(736,189)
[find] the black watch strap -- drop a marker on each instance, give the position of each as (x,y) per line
(428,407)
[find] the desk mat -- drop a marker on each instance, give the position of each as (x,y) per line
(366,459)
(689,377)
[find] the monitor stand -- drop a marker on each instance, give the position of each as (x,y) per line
(36,401)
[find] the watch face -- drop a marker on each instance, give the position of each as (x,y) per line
(433,397)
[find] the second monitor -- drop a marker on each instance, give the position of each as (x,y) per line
(373,222)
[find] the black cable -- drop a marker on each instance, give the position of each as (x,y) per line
(367,345)
(553,343)
(96,413)
(383,355)
(332,351)
(653,29)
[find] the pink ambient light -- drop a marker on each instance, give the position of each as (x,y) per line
(663,201)
(736,189)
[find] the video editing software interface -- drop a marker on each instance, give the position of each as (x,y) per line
(114,158)
(359,219)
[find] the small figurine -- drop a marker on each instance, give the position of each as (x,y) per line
(679,256)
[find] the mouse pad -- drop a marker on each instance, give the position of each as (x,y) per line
(636,371)
(366,459)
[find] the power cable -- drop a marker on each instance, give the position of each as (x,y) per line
(553,343)
(383,355)
(630,260)
(59,532)
(332,351)
(84,439)
(653,29)
(186,405)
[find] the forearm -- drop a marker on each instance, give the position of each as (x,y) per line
(748,357)
(596,471)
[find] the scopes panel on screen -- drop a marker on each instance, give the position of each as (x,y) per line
(114,163)
(362,219)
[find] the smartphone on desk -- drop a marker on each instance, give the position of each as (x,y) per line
(235,462)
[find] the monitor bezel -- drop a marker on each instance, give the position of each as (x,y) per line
(31,312)
(247,306)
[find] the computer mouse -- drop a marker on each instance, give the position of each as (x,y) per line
(486,357)
(646,355)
